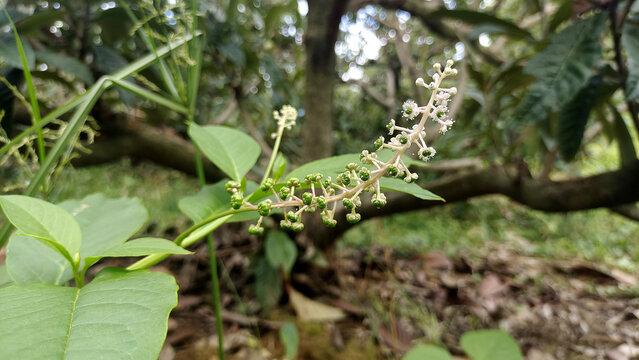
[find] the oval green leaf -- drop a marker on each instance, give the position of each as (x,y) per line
(43,220)
(120,314)
(489,345)
(280,251)
(430,352)
(232,151)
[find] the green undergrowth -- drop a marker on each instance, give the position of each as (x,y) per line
(594,235)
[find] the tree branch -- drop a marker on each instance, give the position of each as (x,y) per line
(609,189)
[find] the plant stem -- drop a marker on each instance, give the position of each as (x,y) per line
(215,287)
(276,146)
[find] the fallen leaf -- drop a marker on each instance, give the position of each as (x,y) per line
(310,310)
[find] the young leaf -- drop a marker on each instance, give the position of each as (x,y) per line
(573,118)
(562,69)
(104,223)
(280,251)
(290,338)
(412,189)
(229,149)
(630,43)
(430,352)
(120,313)
(43,220)
(489,345)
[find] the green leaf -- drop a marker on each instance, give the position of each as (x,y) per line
(329,166)
(67,64)
(280,251)
(573,118)
(562,69)
(430,352)
(490,345)
(213,199)
(104,223)
(279,166)
(10,55)
(268,284)
(231,150)
(627,151)
(41,219)
(630,43)
(290,338)
(234,52)
(37,21)
(5,279)
(120,314)
(481,18)
(412,189)
(144,246)
(563,13)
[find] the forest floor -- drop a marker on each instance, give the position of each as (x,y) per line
(383,302)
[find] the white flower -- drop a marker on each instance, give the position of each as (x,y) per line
(286,116)
(426,153)
(410,109)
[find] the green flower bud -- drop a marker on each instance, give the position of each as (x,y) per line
(352,166)
(264,207)
(379,201)
(327,182)
(403,139)
(346,178)
(321,202)
(330,222)
(330,191)
(232,186)
(268,183)
(307,198)
(364,174)
(286,225)
(293,182)
(379,143)
(297,227)
(292,217)
(308,179)
(236,200)
(392,170)
(254,229)
(311,209)
(353,218)
(285,192)
(348,203)
(357,201)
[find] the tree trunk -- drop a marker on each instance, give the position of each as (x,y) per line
(321,33)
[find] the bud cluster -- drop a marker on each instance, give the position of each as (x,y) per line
(325,194)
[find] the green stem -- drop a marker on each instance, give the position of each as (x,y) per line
(217,306)
(189,236)
(276,147)
(31,89)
